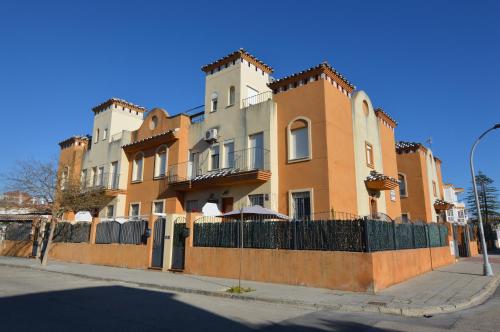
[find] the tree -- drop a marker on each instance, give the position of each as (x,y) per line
(52,193)
(488,199)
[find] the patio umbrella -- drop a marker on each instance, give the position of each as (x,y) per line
(255,210)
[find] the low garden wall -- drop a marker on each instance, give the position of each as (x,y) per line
(118,255)
(350,271)
(16,248)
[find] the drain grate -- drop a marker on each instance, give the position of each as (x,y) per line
(381,304)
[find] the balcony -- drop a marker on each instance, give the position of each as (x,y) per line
(110,182)
(257,99)
(239,167)
(377,181)
(441,205)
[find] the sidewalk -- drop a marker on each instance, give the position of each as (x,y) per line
(452,288)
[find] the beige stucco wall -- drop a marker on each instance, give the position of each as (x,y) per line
(119,123)
(432,175)
(236,123)
(366,129)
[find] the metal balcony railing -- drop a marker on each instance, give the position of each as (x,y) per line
(109,181)
(220,165)
(257,99)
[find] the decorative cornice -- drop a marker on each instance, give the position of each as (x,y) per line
(165,133)
(405,147)
(379,112)
(120,102)
(241,53)
(70,141)
(314,72)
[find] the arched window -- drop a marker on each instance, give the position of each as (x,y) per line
(64,177)
(299,139)
(402,185)
(161,161)
(366,109)
(213,102)
(137,167)
(153,123)
(231,96)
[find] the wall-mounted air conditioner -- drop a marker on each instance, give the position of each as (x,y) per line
(211,135)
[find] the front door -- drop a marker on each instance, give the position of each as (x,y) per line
(158,243)
(227,204)
(179,243)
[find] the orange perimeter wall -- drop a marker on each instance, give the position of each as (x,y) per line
(349,271)
(16,248)
(119,255)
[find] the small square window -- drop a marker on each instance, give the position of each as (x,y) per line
(158,207)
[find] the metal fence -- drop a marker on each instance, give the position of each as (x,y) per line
(130,232)
(73,233)
(18,231)
(359,235)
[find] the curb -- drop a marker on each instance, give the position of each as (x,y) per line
(482,296)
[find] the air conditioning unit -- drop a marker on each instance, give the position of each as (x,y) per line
(211,135)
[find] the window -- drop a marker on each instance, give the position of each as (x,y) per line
(161,162)
(214,157)
(405,218)
(402,185)
(110,210)
(301,205)
(257,199)
(84,178)
(114,176)
(256,150)
(434,189)
(64,177)
(154,122)
(137,167)
(157,207)
(229,154)
(94,176)
(366,109)
(105,134)
(449,215)
(299,139)
(96,139)
(192,205)
(213,102)
(135,209)
(369,155)
(100,176)
(232,96)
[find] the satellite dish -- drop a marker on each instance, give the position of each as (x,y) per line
(83,216)
(210,210)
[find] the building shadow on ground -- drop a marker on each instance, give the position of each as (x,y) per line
(118,308)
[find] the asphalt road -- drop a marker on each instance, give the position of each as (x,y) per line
(43,301)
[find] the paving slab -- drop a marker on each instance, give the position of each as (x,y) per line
(451,288)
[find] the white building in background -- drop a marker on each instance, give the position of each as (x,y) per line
(458,213)
(105,163)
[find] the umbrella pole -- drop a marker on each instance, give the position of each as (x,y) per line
(241,247)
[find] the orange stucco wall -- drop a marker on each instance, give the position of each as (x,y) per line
(474,251)
(417,202)
(16,248)
(119,255)
(150,189)
(327,269)
(392,267)
(330,172)
(351,271)
(390,166)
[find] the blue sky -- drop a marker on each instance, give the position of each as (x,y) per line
(433,66)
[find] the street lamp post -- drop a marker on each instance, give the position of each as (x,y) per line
(487,271)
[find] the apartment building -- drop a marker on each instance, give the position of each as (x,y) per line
(458,213)
(307,145)
(420,183)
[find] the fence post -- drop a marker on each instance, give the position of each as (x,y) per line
(366,234)
(394,235)
(93,229)
(413,235)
